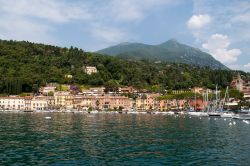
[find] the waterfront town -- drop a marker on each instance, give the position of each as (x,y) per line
(53,96)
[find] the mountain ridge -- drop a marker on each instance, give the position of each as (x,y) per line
(169,51)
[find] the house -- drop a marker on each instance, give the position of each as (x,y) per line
(113,102)
(39,103)
(63,99)
(148,102)
(97,91)
(69,76)
(242,86)
(90,69)
(172,104)
(127,89)
(84,102)
(12,103)
(198,90)
(27,101)
(47,89)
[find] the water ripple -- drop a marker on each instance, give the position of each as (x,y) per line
(70,139)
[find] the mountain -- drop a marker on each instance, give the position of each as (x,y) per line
(24,66)
(170,51)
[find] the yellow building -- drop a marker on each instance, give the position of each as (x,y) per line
(63,99)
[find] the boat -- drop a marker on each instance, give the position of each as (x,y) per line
(28,111)
(227,114)
(195,113)
(242,116)
(215,113)
(169,113)
(198,113)
(93,112)
(217,106)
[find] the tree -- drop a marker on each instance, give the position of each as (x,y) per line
(51,93)
(35,88)
(111,86)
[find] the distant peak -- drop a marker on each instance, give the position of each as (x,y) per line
(124,43)
(170,43)
(173,40)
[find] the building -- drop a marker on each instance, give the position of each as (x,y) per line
(51,102)
(241,85)
(84,102)
(28,102)
(127,89)
(63,99)
(179,91)
(90,69)
(147,102)
(39,103)
(12,103)
(45,90)
(113,102)
(198,90)
(69,76)
(102,102)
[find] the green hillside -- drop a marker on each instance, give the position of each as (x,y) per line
(24,66)
(170,51)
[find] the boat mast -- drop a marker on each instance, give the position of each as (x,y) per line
(224,101)
(208,104)
(216,100)
(203,98)
(195,106)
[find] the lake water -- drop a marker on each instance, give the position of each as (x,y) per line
(119,139)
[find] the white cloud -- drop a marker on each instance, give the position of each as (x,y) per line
(38,20)
(242,18)
(247,66)
(133,10)
(198,21)
(52,10)
(236,66)
(228,18)
(19,28)
(217,45)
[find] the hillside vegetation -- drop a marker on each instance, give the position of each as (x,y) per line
(25,66)
(170,51)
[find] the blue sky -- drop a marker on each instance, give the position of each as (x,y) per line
(219,27)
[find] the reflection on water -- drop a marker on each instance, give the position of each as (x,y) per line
(106,139)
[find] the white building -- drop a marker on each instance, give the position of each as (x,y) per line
(90,69)
(45,90)
(98,91)
(39,103)
(12,103)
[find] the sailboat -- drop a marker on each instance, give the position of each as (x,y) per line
(226,114)
(195,112)
(215,110)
